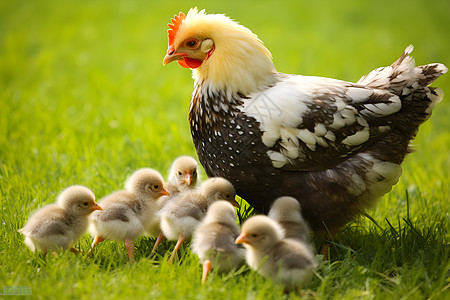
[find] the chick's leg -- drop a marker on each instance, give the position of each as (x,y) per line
(129,246)
(180,241)
(74,250)
(98,239)
(159,239)
(206,269)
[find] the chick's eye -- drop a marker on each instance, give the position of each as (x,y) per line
(192,43)
(180,173)
(156,186)
(85,204)
(254,235)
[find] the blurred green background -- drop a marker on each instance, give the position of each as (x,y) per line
(84,99)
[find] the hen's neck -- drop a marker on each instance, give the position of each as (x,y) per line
(239,64)
(211,107)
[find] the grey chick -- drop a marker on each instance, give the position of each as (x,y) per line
(288,261)
(183,176)
(287,212)
(60,225)
(130,213)
(180,218)
(213,240)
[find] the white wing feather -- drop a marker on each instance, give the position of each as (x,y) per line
(304,118)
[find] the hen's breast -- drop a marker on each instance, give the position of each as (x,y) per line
(234,150)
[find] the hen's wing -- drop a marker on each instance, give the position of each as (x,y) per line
(313,123)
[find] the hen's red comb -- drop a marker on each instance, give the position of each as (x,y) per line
(176,22)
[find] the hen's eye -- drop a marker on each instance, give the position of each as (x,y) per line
(228,196)
(192,43)
(194,173)
(180,173)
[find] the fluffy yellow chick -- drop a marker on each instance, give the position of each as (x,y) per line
(288,261)
(130,213)
(213,240)
(60,225)
(287,212)
(183,176)
(180,218)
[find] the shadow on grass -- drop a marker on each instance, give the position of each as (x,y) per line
(400,242)
(389,253)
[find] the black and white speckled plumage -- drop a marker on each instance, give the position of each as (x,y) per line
(335,146)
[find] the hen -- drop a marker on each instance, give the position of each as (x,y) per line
(336,146)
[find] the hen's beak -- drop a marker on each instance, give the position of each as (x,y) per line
(242,238)
(172,55)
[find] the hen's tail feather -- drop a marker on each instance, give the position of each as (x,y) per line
(404,57)
(436,95)
(403,77)
(410,83)
(430,73)
(403,73)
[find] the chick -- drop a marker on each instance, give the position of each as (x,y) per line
(213,240)
(183,176)
(287,261)
(287,212)
(130,213)
(180,218)
(60,225)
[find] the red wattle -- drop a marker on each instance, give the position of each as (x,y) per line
(190,63)
(182,63)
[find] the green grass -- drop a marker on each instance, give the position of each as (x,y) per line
(84,99)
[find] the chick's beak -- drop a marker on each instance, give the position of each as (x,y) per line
(188,179)
(172,55)
(96,207)
(242,238)
(164,192)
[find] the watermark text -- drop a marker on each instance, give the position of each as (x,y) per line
(16,291)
